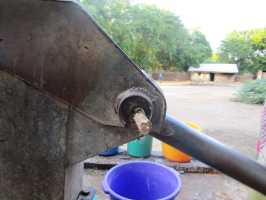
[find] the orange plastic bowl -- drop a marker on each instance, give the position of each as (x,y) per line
(173,154)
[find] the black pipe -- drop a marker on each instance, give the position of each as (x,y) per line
(213,153)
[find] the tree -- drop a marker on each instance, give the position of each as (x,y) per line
(201,46)
(152,37)
(215,58)
(237,48)
(258,40)
(246,48)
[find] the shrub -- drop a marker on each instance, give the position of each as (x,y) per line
(253,92)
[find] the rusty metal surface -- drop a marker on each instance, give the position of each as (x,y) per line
(60,76)
(85,138)
(40,138)
(58,101)
(56,47)
(32,143)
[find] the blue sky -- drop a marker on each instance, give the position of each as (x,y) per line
(216,18)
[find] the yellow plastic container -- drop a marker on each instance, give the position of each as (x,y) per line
(173,154)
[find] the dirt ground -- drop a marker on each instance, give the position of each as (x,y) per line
(233,123)
(236,124)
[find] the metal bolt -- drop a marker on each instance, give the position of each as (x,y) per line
(142,123)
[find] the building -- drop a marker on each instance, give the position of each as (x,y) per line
(214,73)
(261,74)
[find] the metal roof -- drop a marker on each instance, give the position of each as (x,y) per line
(216,68)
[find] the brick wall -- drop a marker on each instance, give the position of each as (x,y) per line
(245,77)
(200,77)
(203,77)
(172,76)
(225,78)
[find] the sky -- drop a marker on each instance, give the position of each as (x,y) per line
(216,18)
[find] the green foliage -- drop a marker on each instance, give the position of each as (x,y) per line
(246,48)
(258,40)
(153,38)
(215,58)
(200,48)
(253,92)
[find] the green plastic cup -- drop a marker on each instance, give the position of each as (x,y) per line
(140,148)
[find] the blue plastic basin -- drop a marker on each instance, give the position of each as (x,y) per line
(142,180)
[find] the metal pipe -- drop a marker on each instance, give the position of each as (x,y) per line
(213,153)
